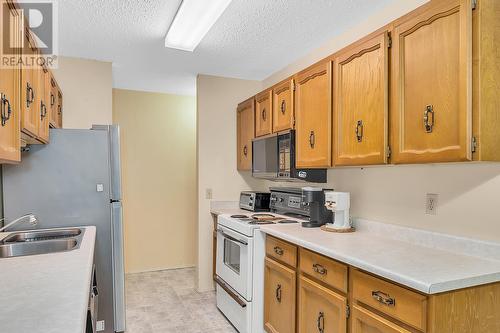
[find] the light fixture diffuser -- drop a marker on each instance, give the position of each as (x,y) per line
(192,22)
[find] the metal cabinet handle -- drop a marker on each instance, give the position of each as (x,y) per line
(320,269)
(283,107)
(245,150)
(6,109)
(429,118)
(43,110)
(278,293)
(278,250)
(383,298)
(59,109)
(312,139)
(30,95)
(359,130)
(321,322)
(52,100)
(264,115)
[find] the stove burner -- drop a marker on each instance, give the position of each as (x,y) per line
(257,222)
(239,216)
(287,221)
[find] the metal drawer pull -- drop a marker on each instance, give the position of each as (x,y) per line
(6,109)
(231,293)
(30,95)
(312,139)
(429,118)
(383,298)
(278,293)
(321,322)
(359,130)
(264,114)
(278,250)
(283,107)
(320,269)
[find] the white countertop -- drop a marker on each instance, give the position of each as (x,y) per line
(227,207)
(49,292)
(425,261)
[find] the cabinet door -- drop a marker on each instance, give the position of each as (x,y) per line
(59,107)
(263,113)
(29,113)
(313,108)
(431,86)
(283,106)
(364,321)
(53,101)
(361,104)
(42,100)
(320,309)
(279,298)
(9,93)
(245,129)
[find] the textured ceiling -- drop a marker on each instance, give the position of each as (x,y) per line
(251,40)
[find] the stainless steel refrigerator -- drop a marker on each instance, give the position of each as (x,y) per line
(75,181)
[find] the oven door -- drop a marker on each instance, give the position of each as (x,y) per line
(234,260)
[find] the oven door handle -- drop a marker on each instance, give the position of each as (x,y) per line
(230,237)
(231,293)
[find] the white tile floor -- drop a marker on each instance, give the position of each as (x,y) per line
(167,302)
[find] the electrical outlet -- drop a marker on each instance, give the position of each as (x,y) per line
(100,326)
(431,203)
(208,193)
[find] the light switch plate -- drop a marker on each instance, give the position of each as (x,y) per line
(100,187)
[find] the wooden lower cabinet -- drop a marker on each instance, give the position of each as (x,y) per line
(364,321)
(320,309)
(279,298)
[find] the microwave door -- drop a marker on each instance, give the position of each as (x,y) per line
(265,157)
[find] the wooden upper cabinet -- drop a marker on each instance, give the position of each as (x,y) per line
(314,116)
(245,133)
(361,84)
(59,107)
(279,298)
(283,106)
(485,78)
(9,93)
(431,84)
(320,309)
(53,101)
(29,89)
(263,113)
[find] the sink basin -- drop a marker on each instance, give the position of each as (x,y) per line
(37,247)
(42,235)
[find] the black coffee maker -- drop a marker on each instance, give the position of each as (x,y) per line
(314,197)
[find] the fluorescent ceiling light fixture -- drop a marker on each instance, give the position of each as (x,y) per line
(192,22)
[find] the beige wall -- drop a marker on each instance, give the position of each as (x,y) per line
(158,136)
(217,99)
(87,92)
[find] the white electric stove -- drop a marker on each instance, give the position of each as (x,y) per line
(240,270)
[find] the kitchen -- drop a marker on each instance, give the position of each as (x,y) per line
(414,162)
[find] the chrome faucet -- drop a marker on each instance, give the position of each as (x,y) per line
(30,218)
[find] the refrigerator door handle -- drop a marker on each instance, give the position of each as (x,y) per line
(118,267)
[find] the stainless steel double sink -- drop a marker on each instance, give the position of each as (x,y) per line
(27,243)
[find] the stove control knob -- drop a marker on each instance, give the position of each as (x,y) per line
(273,199)
(281,200)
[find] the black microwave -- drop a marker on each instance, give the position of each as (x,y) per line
(273,158)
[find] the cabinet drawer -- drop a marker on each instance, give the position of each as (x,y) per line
(364,321)
(323,269)
(402,304)
(320,309)
(279,298)
(283,251)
